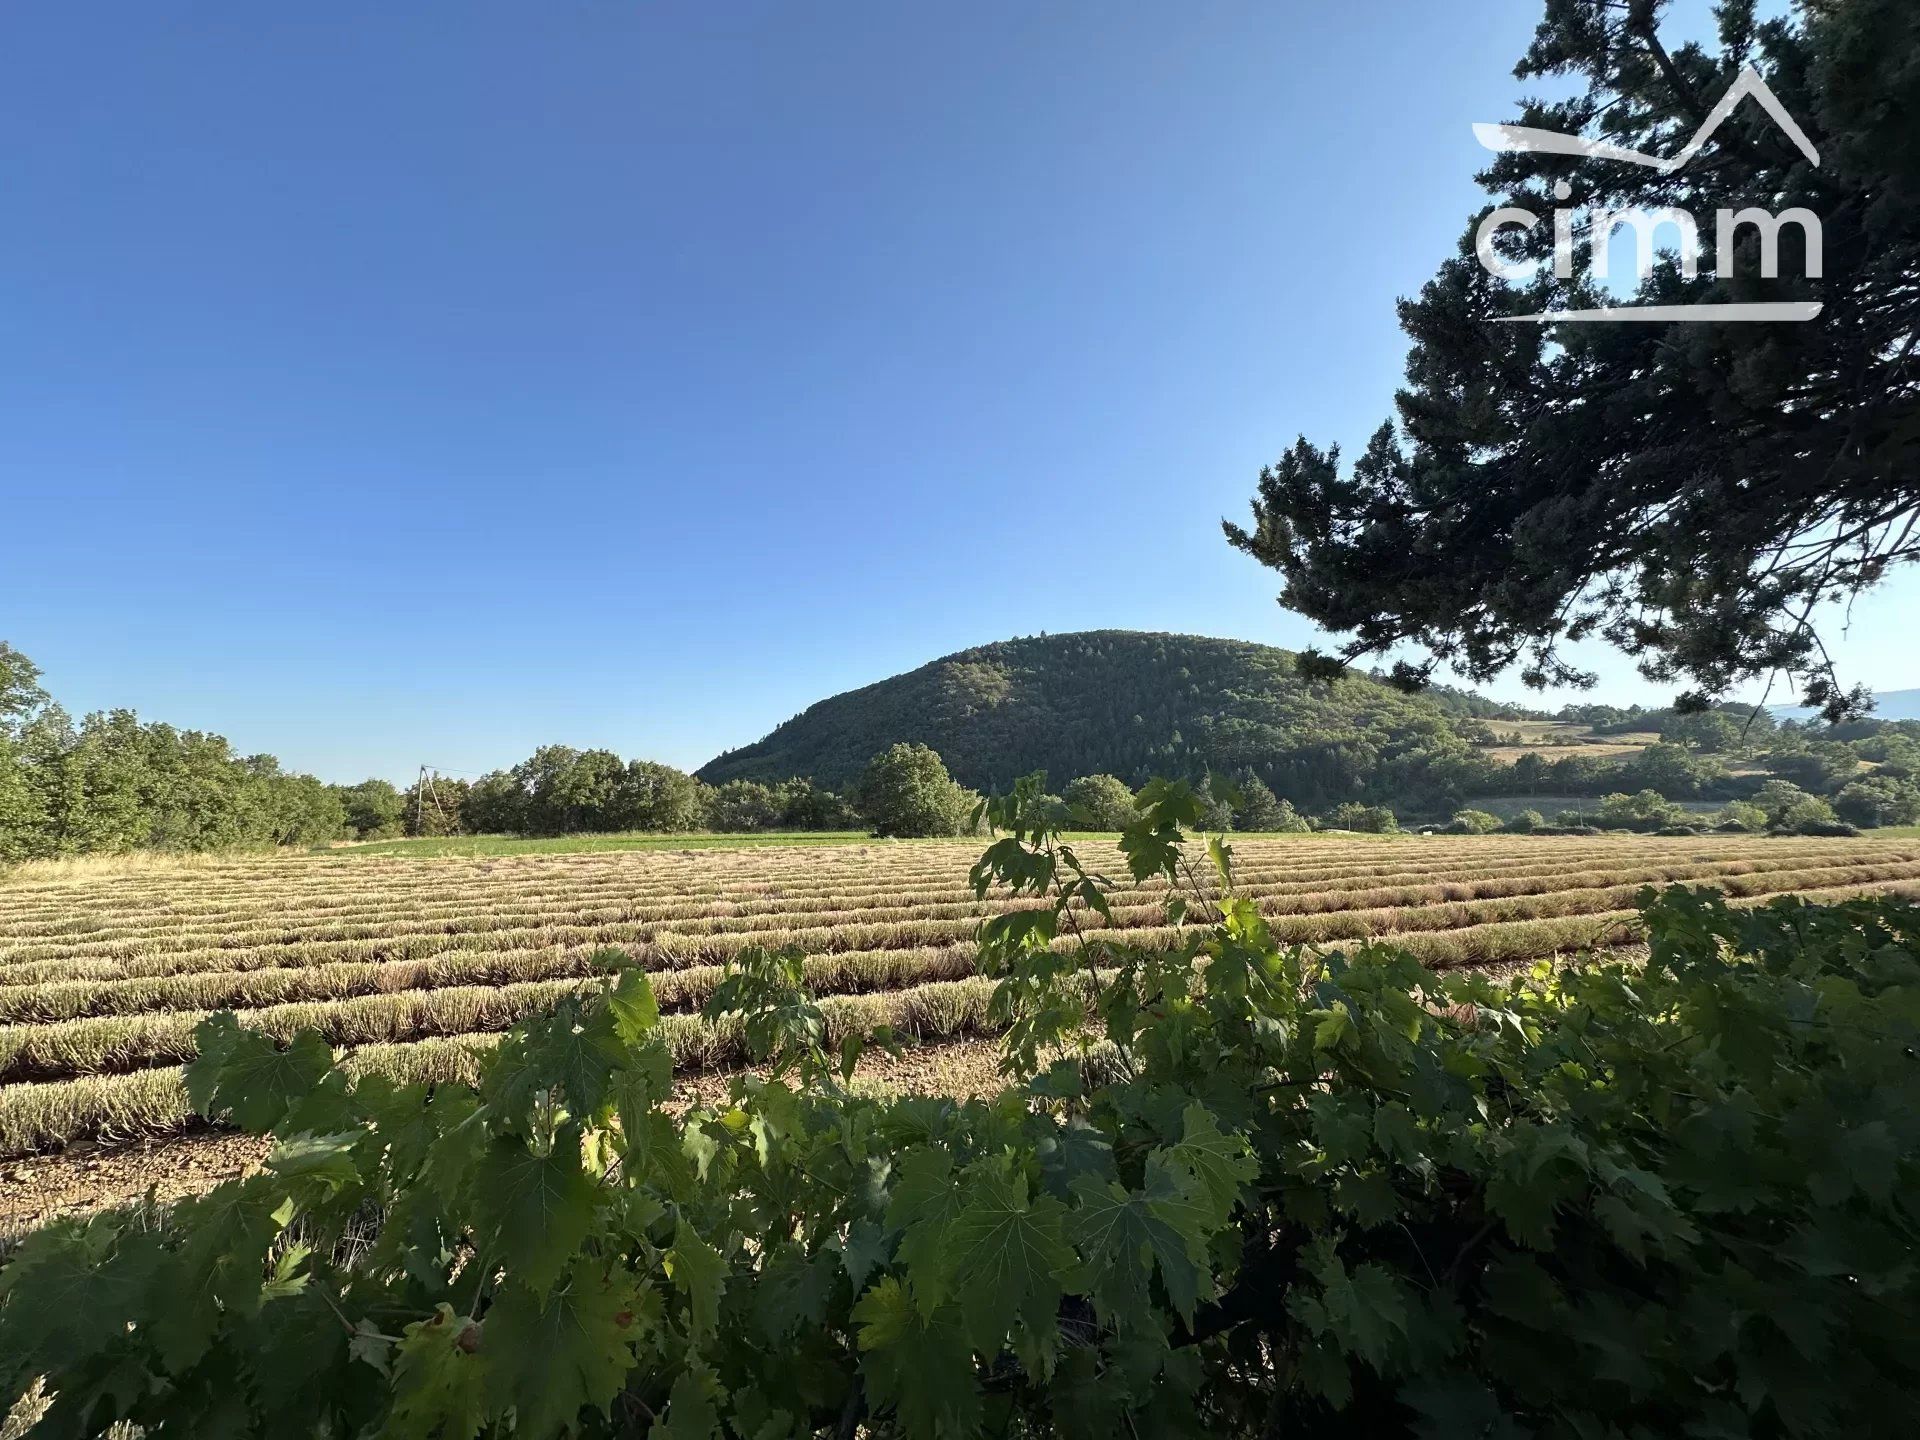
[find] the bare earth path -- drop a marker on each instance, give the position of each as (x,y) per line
(87,1176)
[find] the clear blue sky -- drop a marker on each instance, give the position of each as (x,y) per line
(395,384)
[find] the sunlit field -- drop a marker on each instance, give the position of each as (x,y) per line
(589,844)
(411,966)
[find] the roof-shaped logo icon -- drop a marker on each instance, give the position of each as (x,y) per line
(1552,142)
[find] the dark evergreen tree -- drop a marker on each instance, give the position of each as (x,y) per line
(1259,807)
(1688,491)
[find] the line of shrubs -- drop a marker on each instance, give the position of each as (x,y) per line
(1778,807)
(907,791)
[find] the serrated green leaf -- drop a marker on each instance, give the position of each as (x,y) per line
(1365,1309)
(691,1412)
(637,1091)
(1397,1133)
(791,1291)
(924,1203)
(700,1273)
(701,1147)
(1220,1164)
(66,1294)
(634,1009)
(1007,1258)
(299,1369)
(1121,1236)
(1369,1199)
(867,1248)
(916,1366)
(438,1381)
(1333,1028)
(324,1161)
(653,1153)
(219,1271)
(532,1212)
(551,1356)
(1071,1151)
(570,1051)
(243,1076)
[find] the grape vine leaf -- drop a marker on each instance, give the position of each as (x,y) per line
(637,1091)
(1219,1164)
(691,1412)
(322,1162)
(655,1154)
(66,1293)
(437,1389)
(917,1366)
(552,1356)
(301,1366)
(532,1211)
(569,1051)
(792,1290)
(243,1074)
(868,1246)
(700,1272)
(1121,1235)
(218,1271)
(634,1009)
(1364,1309)
(1006,1258)
(924,1204)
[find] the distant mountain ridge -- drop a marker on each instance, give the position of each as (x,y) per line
(1887,705)
(1132,704)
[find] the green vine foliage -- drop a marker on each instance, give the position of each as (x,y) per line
(1231,1188)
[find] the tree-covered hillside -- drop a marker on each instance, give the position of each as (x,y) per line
(1134,705)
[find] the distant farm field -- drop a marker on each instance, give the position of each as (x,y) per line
(1558,739)
(588,844)
(412,966)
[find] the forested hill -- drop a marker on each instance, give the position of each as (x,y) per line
(1133,705)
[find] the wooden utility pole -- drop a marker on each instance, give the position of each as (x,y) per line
(423,787)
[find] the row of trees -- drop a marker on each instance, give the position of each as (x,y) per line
(1777,805)
(1821,766)
(559,790)
(110,783)
(906,791)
